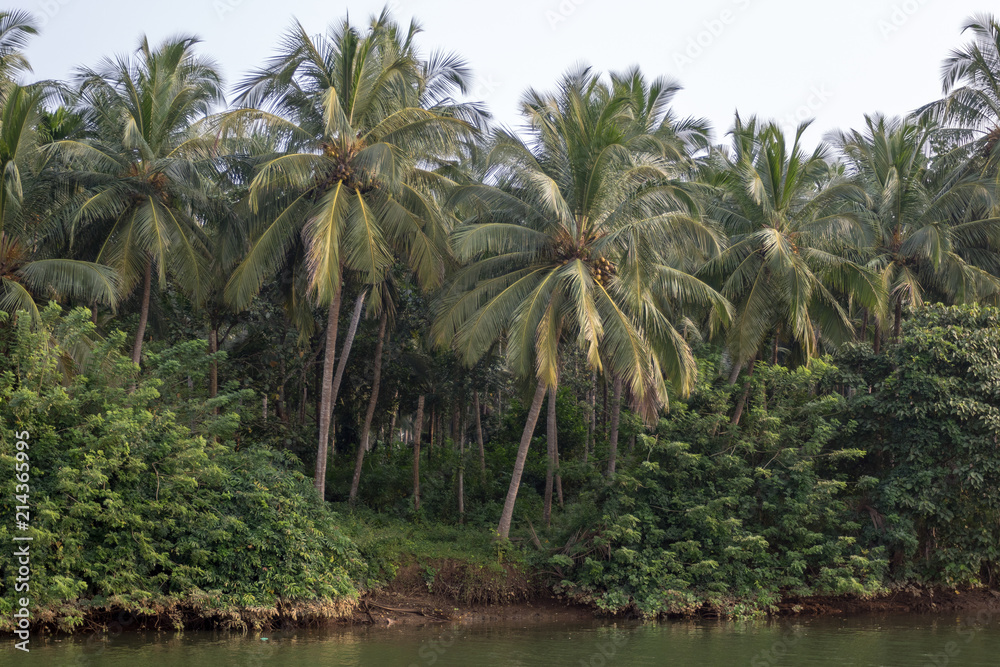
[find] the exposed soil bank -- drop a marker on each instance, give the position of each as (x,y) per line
(909,600)
(409,600)
(386,608)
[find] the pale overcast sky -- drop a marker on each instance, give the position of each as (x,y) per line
(834,61)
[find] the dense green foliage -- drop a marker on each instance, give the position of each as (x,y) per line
(133,510)
(730,516)
(928,413)
(602,354)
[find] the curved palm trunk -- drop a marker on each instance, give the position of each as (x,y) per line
(735,374)
(616,411)
(507,515)
(345,352)
(140,332)
(479,432)
(370,414)
(325,410)
(417,430)
(550,468)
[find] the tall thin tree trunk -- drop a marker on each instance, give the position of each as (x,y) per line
(864,326)
(430,440)
(550,468)
(479,432)
(735,373)
(592,427)
(370,414)
(140,332)
(417,430)
(877,338)
(897,324)
(325,407)
(559,493)
(746,393)
(507,515)
(616,411)
(392,421)
(461,469)
(604,410)
(213,370)
(345,351)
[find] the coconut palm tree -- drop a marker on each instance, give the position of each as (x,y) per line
(16,28)
(970,108)
(30,267)
(566,244)
(362,119)
(788,264)
(932,233)
(140,167)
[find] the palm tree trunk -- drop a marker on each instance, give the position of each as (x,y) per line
(735,374)
(550,468)
(430,440)
(864,326)
(479,432)
(392,422)
(325,407)
(417,430)
(592,429)
(140,332)
(345,352)
(616,411)
(461,470)
(897,324)
(507,515)
(746,393)
(370,414)
(559,493)
(604,409)
(213,370)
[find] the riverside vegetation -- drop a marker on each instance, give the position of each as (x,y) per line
(272,353)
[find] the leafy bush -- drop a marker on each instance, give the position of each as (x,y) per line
(929,414)
(134,508)
(724,516)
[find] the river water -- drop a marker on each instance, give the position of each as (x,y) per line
(903,640)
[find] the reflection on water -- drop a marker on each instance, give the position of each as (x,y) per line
(864,641)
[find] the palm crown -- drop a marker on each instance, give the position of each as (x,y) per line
(576,236)
(791,238)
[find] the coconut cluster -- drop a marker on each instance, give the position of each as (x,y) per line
(603,269)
